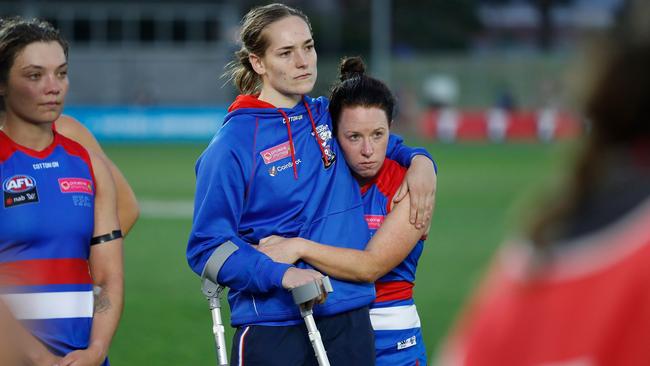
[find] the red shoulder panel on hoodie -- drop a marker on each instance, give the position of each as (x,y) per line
(249,101)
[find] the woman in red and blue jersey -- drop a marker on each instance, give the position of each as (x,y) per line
(362,112)
(60,249)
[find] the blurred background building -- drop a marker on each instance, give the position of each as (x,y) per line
(470,54)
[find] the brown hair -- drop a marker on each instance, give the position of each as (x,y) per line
(16,34)
(617,108)
(356,89)
(240,70)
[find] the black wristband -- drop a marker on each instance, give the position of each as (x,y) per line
(115,234)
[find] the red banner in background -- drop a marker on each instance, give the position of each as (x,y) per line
(497,125)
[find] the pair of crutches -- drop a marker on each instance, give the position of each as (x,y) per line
(304,296)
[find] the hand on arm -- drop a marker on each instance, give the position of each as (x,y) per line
(420,184)
(388,247)
(287,250)
(127,204)
(280,249)
(106,269)
(420,179)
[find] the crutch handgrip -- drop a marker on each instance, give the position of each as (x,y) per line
(311,291)
(304,296)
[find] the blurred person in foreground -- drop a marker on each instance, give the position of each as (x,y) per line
(362,110)
(576,291)
(61,270)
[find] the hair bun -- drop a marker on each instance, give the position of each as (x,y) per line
(351,67)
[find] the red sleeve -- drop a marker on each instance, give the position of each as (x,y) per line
(389,179)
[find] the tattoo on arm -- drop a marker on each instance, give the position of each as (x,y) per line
(102,302)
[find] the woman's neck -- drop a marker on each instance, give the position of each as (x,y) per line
(35,136)
(361,180)
(278,99)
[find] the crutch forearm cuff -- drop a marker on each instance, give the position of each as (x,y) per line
(217,259)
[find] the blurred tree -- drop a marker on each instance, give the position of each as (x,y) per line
(418,25)
(421,25)
(343,26)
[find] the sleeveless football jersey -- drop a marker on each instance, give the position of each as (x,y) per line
(398,339)
(46,223)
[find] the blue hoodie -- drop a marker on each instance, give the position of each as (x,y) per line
(277,171)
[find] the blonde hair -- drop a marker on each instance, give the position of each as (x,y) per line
(240,71)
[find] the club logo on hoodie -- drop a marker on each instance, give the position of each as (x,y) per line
(325,136)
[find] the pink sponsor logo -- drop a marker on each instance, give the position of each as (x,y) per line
(76,185)
(276,153)
(374,221)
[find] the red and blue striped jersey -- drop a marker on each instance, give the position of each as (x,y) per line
(46,223)
(395,287)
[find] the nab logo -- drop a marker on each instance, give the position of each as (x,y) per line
(19,184)
(19,190)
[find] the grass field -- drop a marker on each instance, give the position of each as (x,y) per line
(166,320)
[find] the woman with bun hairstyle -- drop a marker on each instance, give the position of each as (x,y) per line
(61,272)
(274,169)
(362,111)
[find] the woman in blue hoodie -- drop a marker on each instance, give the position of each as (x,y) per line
(362,112)
(273,169)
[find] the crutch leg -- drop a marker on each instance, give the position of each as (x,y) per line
(305,297)
(212,292)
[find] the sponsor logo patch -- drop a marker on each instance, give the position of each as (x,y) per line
(274,170)
(409,342)
(276,153)
(374,221)
(75,185)
(18,190)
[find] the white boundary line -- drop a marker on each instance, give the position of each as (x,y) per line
(166,209)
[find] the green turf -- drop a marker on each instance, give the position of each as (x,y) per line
(166,320)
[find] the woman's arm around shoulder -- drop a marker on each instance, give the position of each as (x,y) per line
(390,245)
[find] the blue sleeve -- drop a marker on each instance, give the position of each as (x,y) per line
(218,203)
(403,154)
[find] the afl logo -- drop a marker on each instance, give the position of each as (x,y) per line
(19,184)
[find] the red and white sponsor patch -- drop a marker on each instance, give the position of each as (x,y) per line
(374,221)
(276,153)
(76,185)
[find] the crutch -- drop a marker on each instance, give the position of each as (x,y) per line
(212,292)
(305,297)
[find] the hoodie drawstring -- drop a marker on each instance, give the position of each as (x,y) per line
(291,147)
(313,128)
(318,139)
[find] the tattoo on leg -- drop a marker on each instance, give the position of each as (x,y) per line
(102,302)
